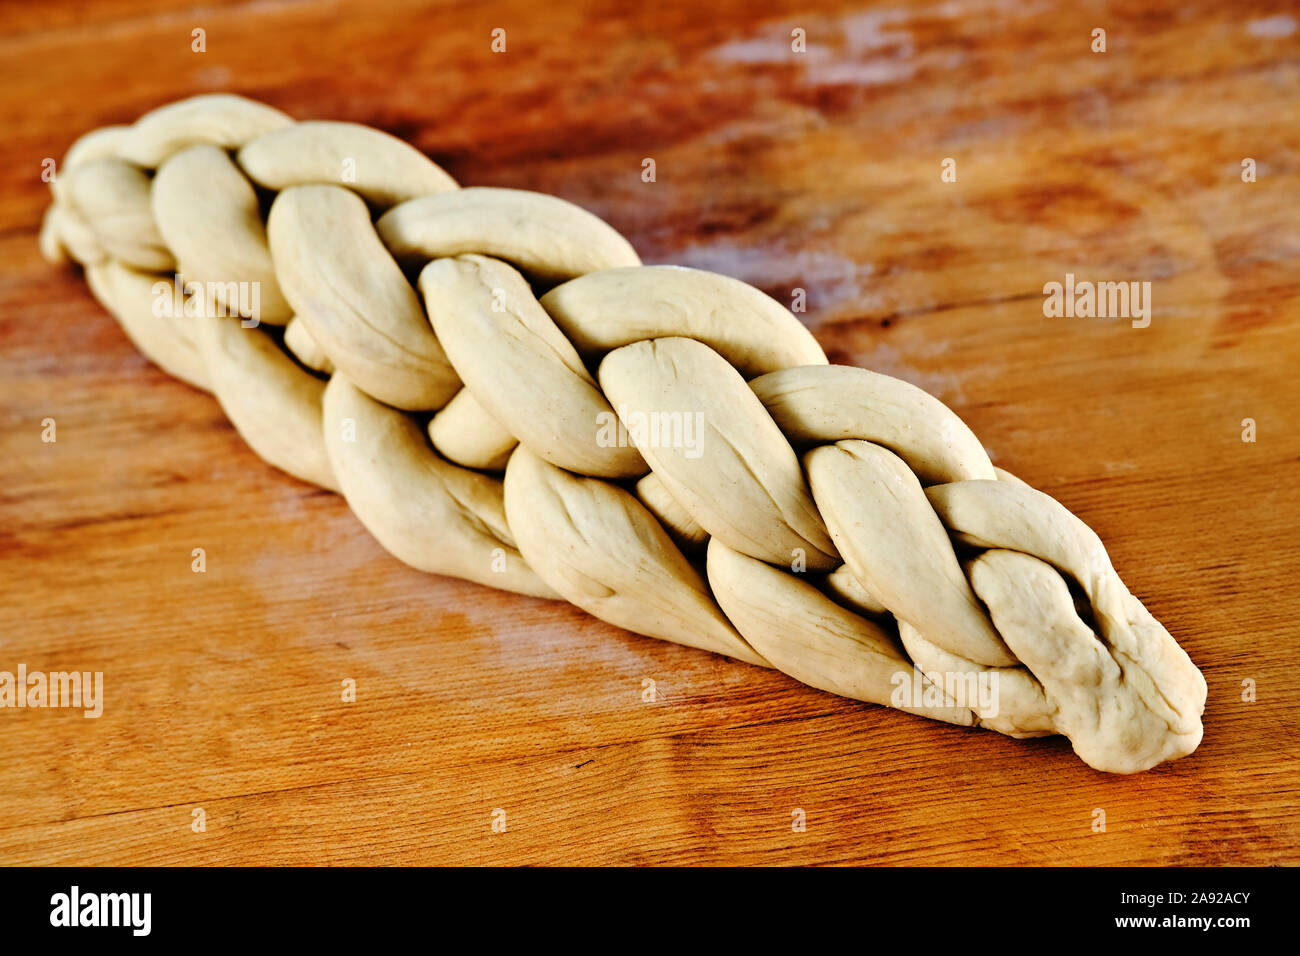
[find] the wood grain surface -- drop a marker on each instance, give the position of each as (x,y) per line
(818,171)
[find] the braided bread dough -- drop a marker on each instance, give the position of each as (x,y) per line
(841,526)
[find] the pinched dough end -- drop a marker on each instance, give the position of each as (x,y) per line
(1128,699)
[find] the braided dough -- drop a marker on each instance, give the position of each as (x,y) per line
(841,526)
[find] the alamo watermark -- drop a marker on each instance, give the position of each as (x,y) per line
(189,298)
(56,689)
(75,908)
(651,430)
(1102,300)
(976,690)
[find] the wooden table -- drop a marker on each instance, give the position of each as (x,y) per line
(819,171)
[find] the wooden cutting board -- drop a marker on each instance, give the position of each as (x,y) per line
(818,171)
